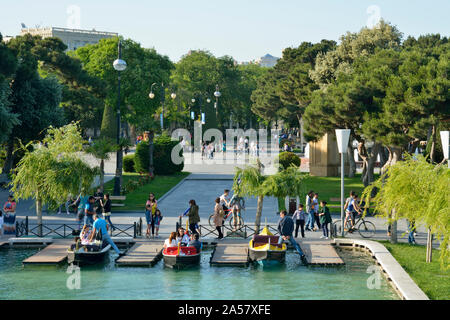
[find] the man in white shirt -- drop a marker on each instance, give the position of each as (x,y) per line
(225,200)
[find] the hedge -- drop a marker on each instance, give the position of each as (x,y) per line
(162,154)
(287,159)
(128,163)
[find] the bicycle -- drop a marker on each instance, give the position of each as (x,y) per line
(228,213)
(365,228)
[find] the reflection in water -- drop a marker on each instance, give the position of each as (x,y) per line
(291,280)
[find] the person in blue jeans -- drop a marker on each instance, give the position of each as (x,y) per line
(100,225)
(411,229)
(285,228)
(89,212)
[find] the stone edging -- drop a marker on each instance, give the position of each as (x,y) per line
(398,277)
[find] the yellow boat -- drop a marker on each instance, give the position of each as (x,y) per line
(264,247)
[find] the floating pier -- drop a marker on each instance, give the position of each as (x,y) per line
(320,253)
(55,253)
(231,254)
(142,254)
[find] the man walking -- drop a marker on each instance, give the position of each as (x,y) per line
(285,228)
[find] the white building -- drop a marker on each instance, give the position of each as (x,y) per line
(72,38)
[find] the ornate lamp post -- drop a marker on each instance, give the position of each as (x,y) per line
(163,99)
(119,65)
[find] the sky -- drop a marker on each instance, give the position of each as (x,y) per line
(243,29)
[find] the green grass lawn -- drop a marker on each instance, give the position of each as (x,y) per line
(434,281)
(136,200)
(330,187)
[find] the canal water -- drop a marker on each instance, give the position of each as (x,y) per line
(360,278)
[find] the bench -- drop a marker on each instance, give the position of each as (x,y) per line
(117,198)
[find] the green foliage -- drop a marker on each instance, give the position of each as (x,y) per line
(288,182)
(109,124)
(162,156)
(146,66)
(288,159)
(128,163)
(53,169)
(418,191)
(102,148)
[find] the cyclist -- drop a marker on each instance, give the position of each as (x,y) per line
(351,211)
(237,204)
(224,200)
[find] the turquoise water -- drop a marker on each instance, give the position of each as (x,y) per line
(289,281)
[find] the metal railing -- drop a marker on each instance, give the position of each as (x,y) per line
(23,228)
(244,232)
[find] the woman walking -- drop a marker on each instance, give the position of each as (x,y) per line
(325,219)
(150,209)
(106,210)
(299,218)
(194,217)
(218,218)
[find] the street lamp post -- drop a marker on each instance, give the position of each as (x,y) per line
(217,94)
(119,65)
(445,145)
(342,136)
(163,99)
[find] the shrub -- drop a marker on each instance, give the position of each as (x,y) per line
(128,163)
(288,159)
(162,154)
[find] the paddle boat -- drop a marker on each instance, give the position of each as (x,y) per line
(181,257)
(264,248)
(88,254)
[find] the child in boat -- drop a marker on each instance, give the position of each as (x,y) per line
(85,235)
(157,221)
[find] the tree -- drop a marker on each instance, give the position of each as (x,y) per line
(8,65)
(145,66)
(102,149)
(412,184)
(52,170)
(248,181)
(44,78)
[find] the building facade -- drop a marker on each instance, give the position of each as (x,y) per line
(72,38)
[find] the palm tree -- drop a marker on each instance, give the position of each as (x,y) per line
(251,182)
(248,181)
(102,149)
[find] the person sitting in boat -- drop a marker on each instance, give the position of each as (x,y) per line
(85,235)
(172,241)
(285,228)
(183,237)
(195,242)
(100,225)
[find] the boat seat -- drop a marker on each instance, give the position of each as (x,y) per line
(260,240)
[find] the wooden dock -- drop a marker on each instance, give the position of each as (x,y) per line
(55,253)
(320,253)
(142,254)
(231,254)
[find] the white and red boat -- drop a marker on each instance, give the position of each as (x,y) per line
(181,257)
